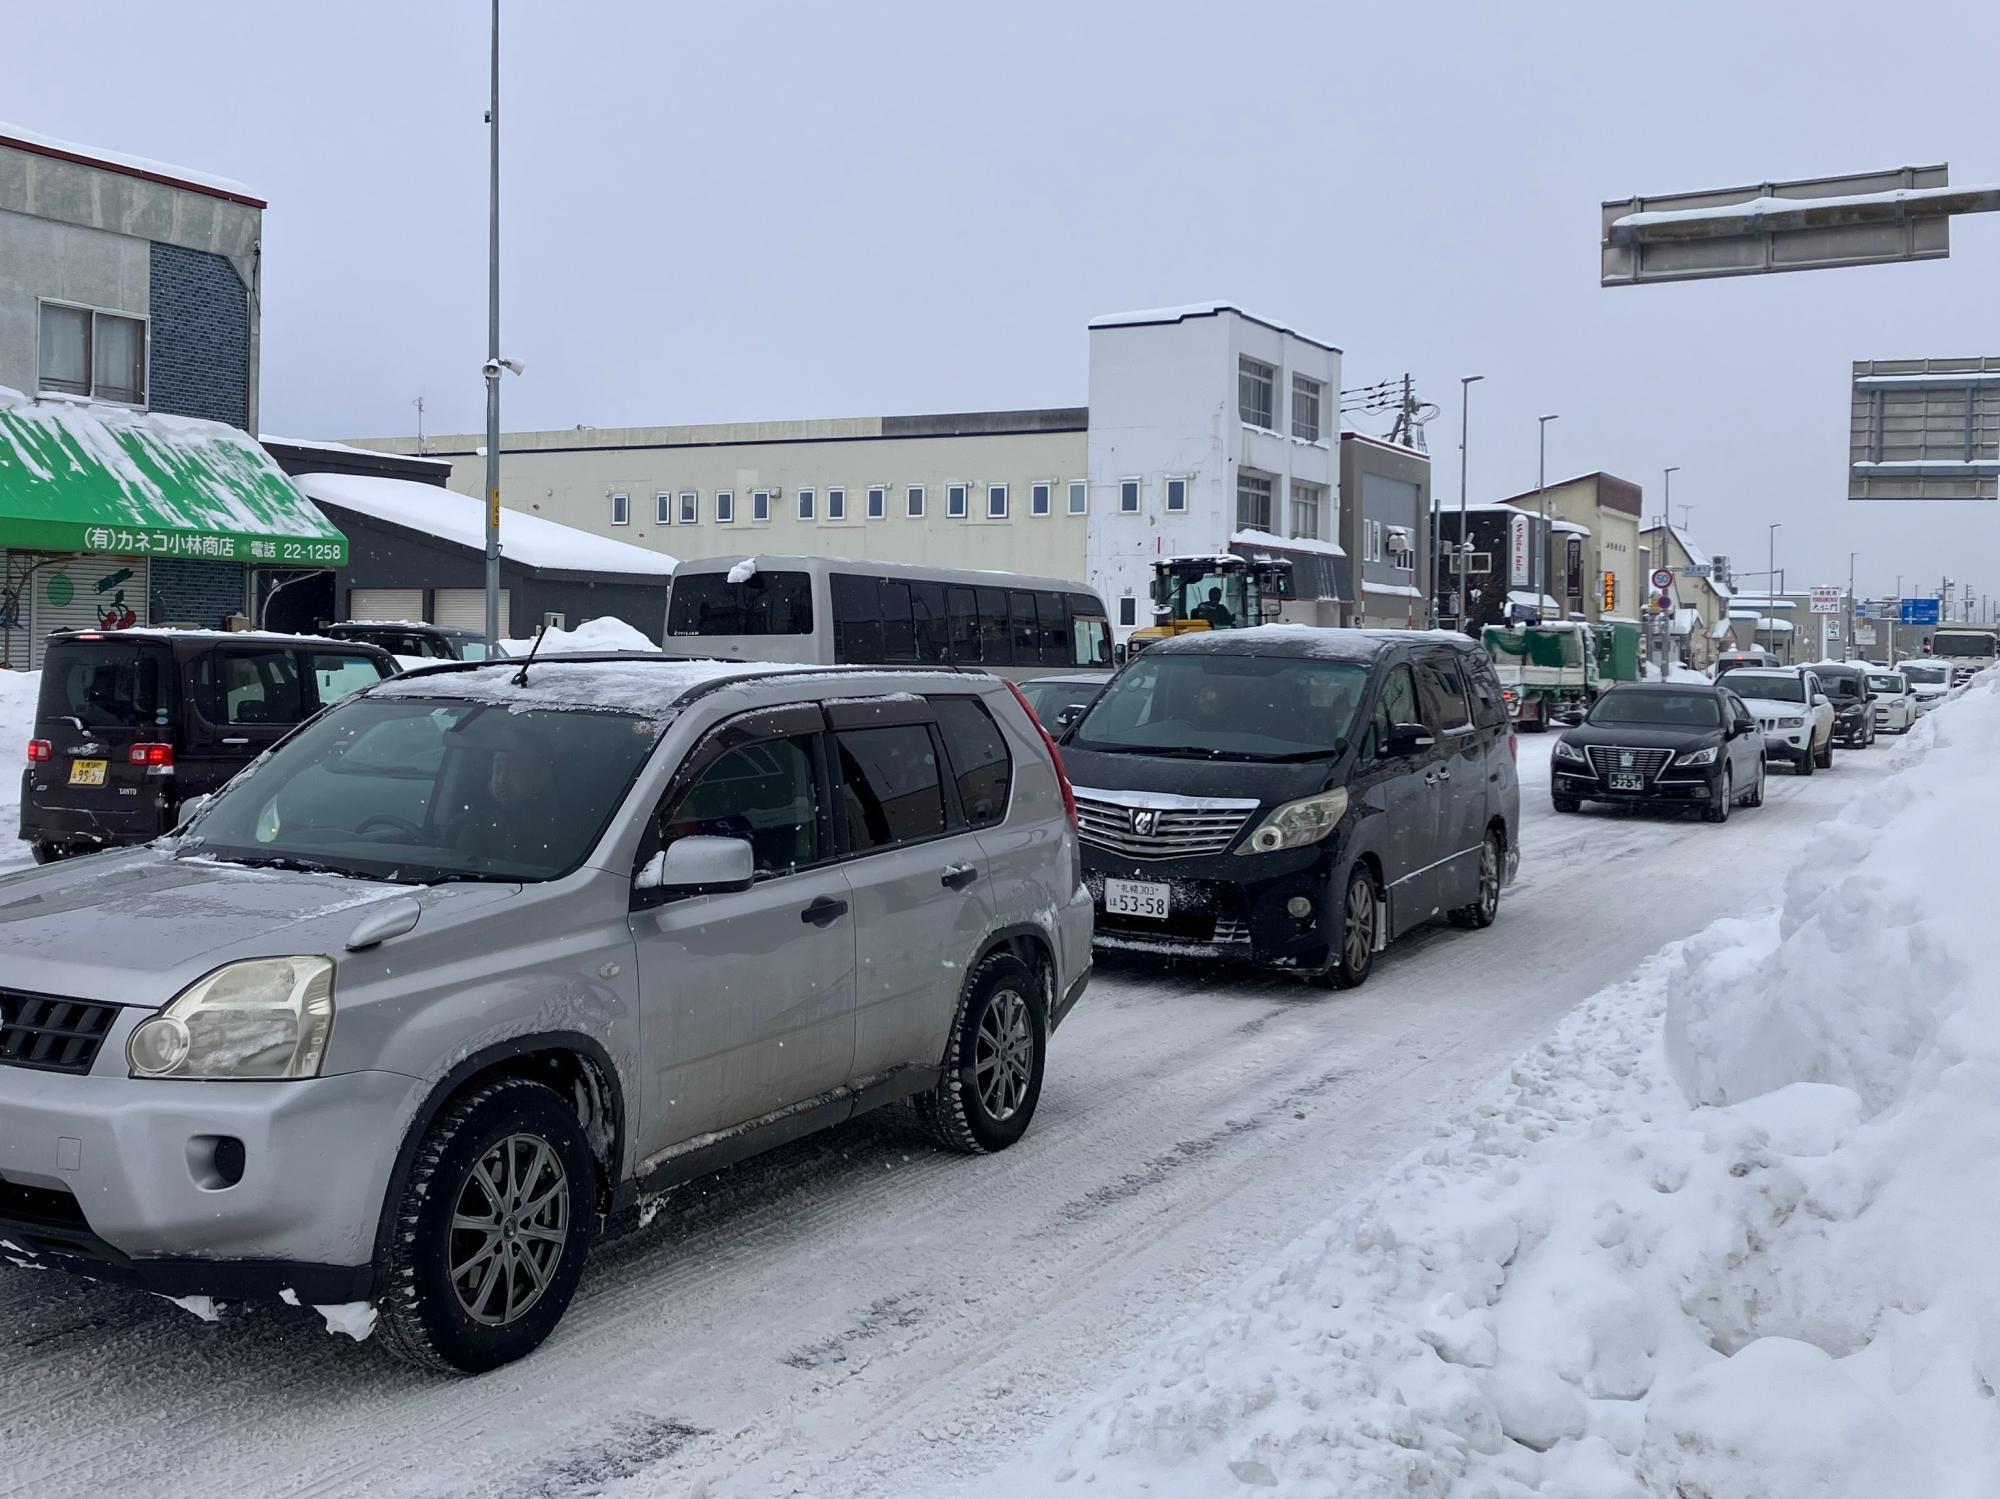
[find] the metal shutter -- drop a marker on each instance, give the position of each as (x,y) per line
(404,605)
(89,607)
(465,609)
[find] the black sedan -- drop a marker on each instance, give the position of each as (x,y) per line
(1675,744)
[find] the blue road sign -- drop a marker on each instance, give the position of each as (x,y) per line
(1920,611)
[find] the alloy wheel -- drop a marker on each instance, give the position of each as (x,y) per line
(509,1228)
(1358,940)
(1003,1059)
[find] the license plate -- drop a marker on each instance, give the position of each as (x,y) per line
(1136,898)
(1627,780)
(87,772)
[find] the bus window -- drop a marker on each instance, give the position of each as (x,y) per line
(1090,632)
(898,639)
(773,603)
(1027,641)
(927,612)
(857,619)
(998,644)
(964,625)
(1054,622)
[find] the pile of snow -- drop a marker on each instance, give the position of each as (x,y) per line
(18,691)
(593,636)
(1728,1234)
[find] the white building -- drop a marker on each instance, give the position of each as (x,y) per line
(1207,429)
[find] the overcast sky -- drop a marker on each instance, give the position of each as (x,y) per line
(747,212)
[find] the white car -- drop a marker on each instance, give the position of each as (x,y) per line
(1895,704)
(1795,715)
(1930,683)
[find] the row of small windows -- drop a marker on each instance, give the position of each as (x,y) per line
(684,508)
(1256,399)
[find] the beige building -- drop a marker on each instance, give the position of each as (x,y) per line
(1596,569)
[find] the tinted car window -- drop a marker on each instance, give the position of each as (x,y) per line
(773,603)
(857,618)
(1488,707)
(256,687)
(1396,704)
(890,787)
(1442,694)
(107,686)
(979,757)
(762,793)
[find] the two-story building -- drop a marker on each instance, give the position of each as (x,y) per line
(1594,544)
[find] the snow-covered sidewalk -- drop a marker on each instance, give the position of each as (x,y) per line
(1729,1233)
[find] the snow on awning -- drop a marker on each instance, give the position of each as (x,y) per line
(81,476)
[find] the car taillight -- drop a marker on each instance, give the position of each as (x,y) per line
(40,751)
(1055,755)
(152,756)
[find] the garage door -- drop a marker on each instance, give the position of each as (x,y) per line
(88,593)
(404,605)
(465,609)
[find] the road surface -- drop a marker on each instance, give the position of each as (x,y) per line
(859,1315)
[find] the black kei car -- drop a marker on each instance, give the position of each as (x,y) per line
(411,639)
(1663,744)
(132,724)
(1293,797)
(1847,688)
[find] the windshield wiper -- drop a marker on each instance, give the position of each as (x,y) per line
(281,861)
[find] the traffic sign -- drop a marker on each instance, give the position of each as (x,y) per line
(1663,577)
(1698,570)
(1826,599)
(1920,612)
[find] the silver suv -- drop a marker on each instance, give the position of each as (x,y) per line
(482,958)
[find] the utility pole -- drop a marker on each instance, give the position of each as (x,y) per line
(1847,645)
(492,368)
(1771,578)
(1542,559)
(1465,385)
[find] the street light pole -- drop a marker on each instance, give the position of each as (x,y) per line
(1465,385)
(1771,579)
(493,352)
(1847,645)
(1543,560)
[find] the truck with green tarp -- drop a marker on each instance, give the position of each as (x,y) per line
(1548,673)
(1616,645)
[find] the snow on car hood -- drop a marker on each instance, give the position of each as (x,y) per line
(137,926)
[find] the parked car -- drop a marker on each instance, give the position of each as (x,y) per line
(132,724)
(1930,683)
(1795,716)
(1667,744)
(1895,703)
(1846,687)
(1730,661)
(488,960)
(1295,798)
(409,639)
(1059,701)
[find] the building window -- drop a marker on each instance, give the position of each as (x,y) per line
(878,501)
(621,510)
(1254,380)
(663,510)
(836,504)
(996,501)
(1253,501)
(690,507)
(725,507)
(1177,494)
(1306,395)
(1307,502)
(1079,497)
(1128,611)
(913,501)
(96,354)
(954,501)
(1040,498)
(805,504)
(760,504)
(1128,496)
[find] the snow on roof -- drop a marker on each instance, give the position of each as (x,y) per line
(348,447)
(1522,598)
(1394,590)
(648,687)
(1195,309)
(1286,543)
(458,518)
(1763,601)
(1767,207)
(136,166)
(1569,528)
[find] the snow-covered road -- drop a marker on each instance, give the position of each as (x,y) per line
(858,1315)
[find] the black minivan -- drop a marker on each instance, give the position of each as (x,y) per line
(132,723)
(1295,797)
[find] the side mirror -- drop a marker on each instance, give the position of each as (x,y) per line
(1820,700)
(1410,739)
(700,864)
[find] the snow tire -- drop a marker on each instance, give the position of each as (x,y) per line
(1003,1006)
(1719,808)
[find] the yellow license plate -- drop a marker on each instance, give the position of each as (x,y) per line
(87,772)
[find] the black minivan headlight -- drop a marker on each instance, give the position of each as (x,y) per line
(1297,824)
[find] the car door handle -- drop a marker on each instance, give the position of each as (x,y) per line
(958,876)
(824,912)
(244,740)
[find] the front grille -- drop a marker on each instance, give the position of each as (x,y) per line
(1177,832)
(1648,763)
(49,1034)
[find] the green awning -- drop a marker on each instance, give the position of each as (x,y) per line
(84,477)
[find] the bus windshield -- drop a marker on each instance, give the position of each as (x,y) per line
(1963,644)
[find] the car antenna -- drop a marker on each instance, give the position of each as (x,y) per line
(521,676)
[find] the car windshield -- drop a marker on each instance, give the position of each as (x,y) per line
(1771,686)
(424,790)
(1839,685)
(1885,682)
(1682,710)
(1226,707)
(108,686)
(402,642)
(1930,676)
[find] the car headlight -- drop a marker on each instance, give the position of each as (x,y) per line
(258,1020)
(1567,751)
(1296,824)
(1791,723)
(1698,757)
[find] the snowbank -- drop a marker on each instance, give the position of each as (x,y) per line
(1728,1234)
(593,635)
(18,690)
